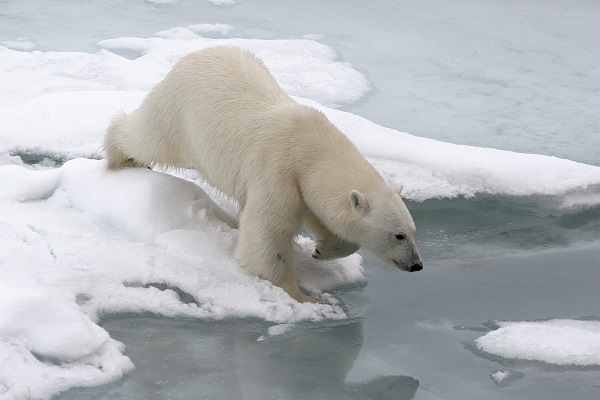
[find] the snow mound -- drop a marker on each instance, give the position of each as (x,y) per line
(562,342)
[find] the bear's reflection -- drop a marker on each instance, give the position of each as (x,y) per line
(187,359)
(310,363)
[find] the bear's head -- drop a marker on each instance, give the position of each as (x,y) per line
(386,228)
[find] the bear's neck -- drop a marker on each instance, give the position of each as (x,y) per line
(330,168)
(326,190)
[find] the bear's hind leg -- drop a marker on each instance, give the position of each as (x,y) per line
(329,245)
(115,135)
(265,247)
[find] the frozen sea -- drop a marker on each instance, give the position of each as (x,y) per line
(123,286)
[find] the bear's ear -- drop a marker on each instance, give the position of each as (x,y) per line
(358,201)
(398,189)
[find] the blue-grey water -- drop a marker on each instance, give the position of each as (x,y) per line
(408,335)
(520,76)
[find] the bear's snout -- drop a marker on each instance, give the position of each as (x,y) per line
(416,267)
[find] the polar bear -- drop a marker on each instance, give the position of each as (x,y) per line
(220,111)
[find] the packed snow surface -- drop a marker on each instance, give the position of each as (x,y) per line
(79,242)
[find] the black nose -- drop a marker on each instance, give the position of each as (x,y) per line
(416,267)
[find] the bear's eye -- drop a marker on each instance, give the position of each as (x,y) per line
(400,237)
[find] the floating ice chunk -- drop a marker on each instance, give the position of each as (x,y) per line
(505,377)
(500,376)
(276,330)
(279,329)
(562,342)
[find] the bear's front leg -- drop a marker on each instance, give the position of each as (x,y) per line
(265,247)
(329,245)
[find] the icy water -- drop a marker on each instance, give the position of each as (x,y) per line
(519,76)
(409,336)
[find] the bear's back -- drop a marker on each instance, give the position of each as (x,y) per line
(221,112)
(229,74)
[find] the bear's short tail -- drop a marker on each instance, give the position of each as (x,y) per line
(114,148)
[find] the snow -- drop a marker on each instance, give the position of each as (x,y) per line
(500,376)
(79,242)
(51,346)
(50,326)
(561,342)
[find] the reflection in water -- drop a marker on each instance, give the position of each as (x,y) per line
(310,362)
(234,360)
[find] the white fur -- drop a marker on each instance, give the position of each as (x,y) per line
(221,112)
